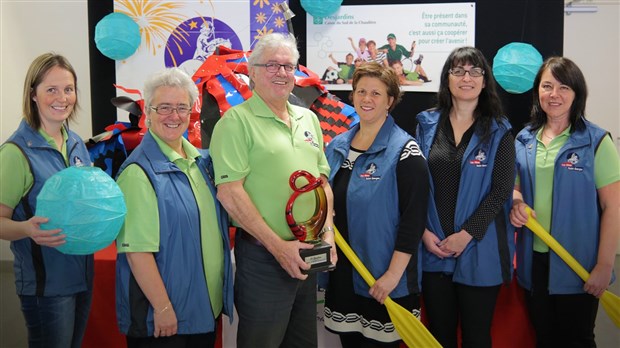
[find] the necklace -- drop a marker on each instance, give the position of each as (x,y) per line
(546,136)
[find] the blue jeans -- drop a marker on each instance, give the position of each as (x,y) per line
(56,321)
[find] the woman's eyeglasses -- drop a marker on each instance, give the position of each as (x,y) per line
(182,110)
(473,72)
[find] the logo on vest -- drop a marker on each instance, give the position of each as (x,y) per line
(78,162)
(480,160)
(310,139)
(571,162)
(369,173)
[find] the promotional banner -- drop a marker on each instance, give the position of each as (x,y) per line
(414,39)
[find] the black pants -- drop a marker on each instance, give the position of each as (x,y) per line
(559,320)
(274,310)
(447,302)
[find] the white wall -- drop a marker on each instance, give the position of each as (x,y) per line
(28,29)
(591,40)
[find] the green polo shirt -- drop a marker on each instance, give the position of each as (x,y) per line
(346,71)
(250,143)
(606,171)
(15,171)
(141,228)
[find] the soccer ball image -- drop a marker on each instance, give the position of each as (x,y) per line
(331,76)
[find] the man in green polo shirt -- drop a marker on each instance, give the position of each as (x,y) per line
(256,146)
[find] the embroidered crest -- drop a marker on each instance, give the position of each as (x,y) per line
(480,159)
(310,139)
(572,159)
(369,173)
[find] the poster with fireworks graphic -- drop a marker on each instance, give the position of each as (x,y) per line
(184,33)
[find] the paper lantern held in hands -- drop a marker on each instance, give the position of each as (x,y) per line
(321,8)
(117,36)
(515,66)
(87,204)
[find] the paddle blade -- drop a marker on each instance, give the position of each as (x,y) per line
(410,328)
(611,305)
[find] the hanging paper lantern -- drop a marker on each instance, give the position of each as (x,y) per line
(117,36)
(321,8)
(87,204)
(515,66)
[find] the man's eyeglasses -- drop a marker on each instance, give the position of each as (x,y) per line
(182,110)
(275,67)
(473,72)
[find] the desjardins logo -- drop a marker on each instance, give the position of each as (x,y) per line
(342,17)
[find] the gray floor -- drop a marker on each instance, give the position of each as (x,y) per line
(13,331)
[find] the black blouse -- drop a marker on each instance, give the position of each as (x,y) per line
(444,163)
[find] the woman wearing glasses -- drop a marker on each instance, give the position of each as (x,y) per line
(174,275)
(468,240)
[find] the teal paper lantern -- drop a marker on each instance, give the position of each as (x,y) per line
(515,66)
(117,36)
(321,8)
(87,204)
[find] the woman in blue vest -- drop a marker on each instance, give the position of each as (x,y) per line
(569,173)
(380,185)
(173,273)
(469,241)
(55,289)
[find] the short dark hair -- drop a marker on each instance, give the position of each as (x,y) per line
(568,73)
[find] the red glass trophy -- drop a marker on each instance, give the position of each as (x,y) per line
(309,231)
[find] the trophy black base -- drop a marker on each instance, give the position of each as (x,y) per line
(318,257)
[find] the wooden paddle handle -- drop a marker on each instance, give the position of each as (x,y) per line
(535,227)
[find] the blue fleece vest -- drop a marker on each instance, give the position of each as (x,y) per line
(41,270)
(487,262)
(575,215)
(372,202)
(179,259)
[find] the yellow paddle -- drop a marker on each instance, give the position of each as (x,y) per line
(410,329)
(610,301)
